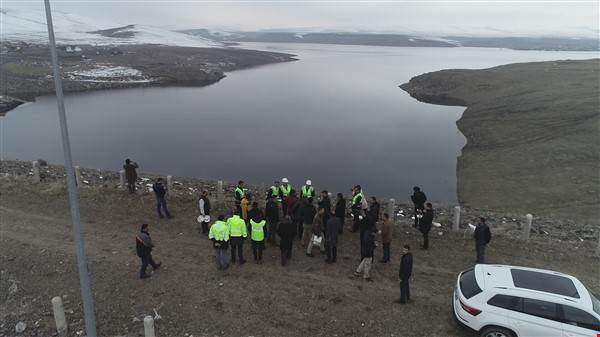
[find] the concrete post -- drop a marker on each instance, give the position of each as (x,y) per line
(78,175)
(220,193)
(59,316)
(456,223)
(122,179)
(391,211)
(36,170)
(170,185)
(527,228)
(149,326)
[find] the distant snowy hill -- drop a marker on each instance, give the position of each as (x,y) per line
(30,26)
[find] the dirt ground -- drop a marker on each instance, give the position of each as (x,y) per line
(193,298)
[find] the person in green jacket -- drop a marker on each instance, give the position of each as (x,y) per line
(219,234)
(257,224)
(237,235)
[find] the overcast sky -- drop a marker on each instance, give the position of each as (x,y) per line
(485,17)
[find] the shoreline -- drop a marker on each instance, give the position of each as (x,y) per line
(26,69)
(527,148)
(186,190)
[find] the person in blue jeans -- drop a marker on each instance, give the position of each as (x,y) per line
(161,203)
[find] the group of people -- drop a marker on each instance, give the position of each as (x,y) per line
(288,216)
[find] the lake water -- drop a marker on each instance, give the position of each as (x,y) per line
(336,116)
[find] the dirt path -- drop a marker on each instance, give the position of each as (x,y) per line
(308,298)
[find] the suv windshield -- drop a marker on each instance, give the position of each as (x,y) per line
(595,301)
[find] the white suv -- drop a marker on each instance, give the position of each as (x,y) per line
(508,301)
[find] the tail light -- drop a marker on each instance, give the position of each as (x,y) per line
(470,310)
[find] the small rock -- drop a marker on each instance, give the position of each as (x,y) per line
(20,327)
(13,288)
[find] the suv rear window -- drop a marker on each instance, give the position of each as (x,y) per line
(548,283)
(580,318)
(595,301)
(468,284)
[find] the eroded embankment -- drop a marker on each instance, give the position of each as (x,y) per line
(533,140)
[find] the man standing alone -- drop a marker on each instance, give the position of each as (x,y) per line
(161,202)
(406,265)
(130,174)
(143,246)
(482,236)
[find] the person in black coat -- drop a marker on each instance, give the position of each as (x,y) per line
(130,174)
(307,214)
(425,224)
(367,250)
(340,210)
(143,247)
(331,238)
(482,237)
(325,205)
(418,198)
(405,273)
(272,217)
(286,231)
(372,215)
(161,202)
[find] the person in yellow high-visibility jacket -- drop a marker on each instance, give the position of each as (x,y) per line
(237,235)
(219,234)
(258,238)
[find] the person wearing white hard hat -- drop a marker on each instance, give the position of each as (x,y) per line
(307,191)
(285,188)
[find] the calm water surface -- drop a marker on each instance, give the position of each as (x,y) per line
(336,116)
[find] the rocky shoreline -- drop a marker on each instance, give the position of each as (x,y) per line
(532,136)
(187,189)
(25,69)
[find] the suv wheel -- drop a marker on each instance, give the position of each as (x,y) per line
(496,331)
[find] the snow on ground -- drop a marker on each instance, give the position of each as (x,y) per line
(108,73)
(30,26)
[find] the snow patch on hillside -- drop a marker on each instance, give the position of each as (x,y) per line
(30,26)
(108,73)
